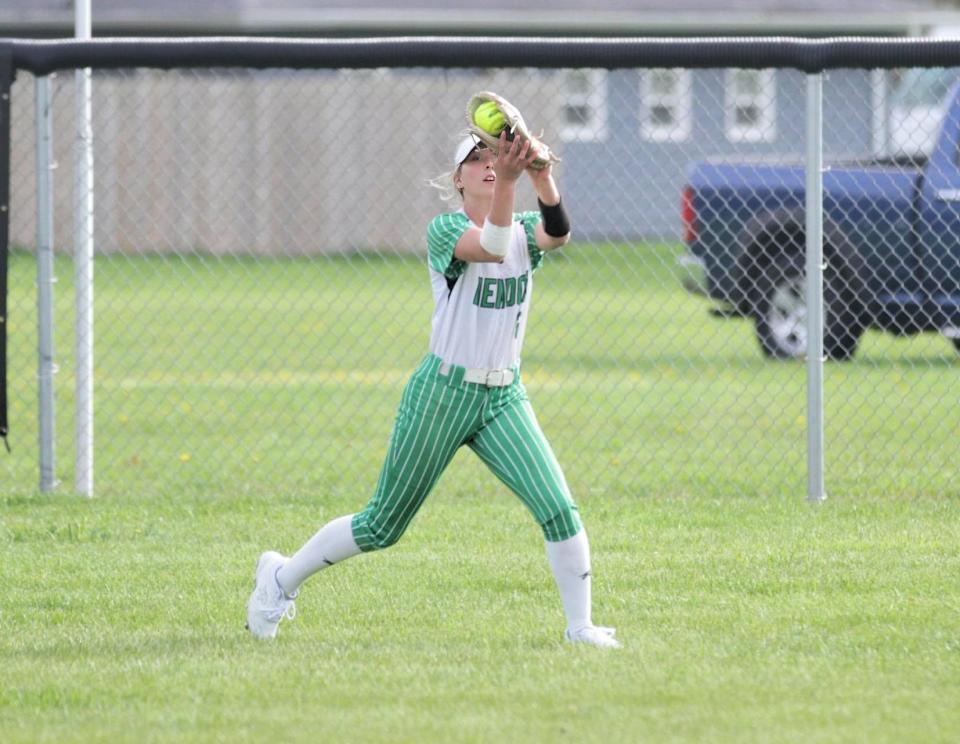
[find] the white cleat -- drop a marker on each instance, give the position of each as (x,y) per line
(593,635)
(268,604)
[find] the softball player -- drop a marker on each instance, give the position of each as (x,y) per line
(467,391)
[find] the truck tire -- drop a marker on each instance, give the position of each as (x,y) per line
(781,311)
(772,279)
(844,293)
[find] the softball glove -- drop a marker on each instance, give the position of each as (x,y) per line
(509,119)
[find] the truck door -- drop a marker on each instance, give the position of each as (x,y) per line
(938,224)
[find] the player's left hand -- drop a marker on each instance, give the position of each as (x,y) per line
(541,176)
(544,185)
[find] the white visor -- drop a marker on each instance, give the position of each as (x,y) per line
(464,148)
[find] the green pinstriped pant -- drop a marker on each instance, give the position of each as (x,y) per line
(438,414)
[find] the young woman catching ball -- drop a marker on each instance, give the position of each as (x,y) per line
(467,391)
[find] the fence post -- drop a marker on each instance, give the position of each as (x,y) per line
(6,81)
(45,280)
(814,290)
(83,265)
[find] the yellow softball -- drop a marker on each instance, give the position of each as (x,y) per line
(489,118)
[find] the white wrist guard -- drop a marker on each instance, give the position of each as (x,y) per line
(495,239)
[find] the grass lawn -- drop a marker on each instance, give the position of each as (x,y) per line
(241,403)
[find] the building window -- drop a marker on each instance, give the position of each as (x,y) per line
(666,98)
(751,105)
(584,106)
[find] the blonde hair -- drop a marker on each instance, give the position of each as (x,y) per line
(445,183)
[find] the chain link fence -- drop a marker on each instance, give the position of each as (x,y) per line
(261,290)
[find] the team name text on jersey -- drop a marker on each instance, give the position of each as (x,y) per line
(495,293)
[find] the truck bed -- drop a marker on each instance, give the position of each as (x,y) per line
(861,181)
(870,201)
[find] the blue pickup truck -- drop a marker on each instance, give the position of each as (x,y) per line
(891,245)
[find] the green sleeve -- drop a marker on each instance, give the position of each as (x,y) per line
(443,232)
(530,220)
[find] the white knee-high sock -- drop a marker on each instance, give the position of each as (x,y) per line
(570,561)
(333,543)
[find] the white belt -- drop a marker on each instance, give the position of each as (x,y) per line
(488,377)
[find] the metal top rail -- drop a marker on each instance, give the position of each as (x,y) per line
(43,57)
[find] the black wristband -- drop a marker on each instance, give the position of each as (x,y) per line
(556,224)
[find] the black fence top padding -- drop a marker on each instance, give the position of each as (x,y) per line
(43,57)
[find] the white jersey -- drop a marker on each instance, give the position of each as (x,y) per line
(480,314)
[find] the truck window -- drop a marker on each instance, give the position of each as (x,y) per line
(917,107)
(924,88)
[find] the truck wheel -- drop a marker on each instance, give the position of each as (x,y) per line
(780,307)
(843,300)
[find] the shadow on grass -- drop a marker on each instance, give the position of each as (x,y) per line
(756,363)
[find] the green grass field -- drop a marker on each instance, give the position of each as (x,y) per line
(242,403)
